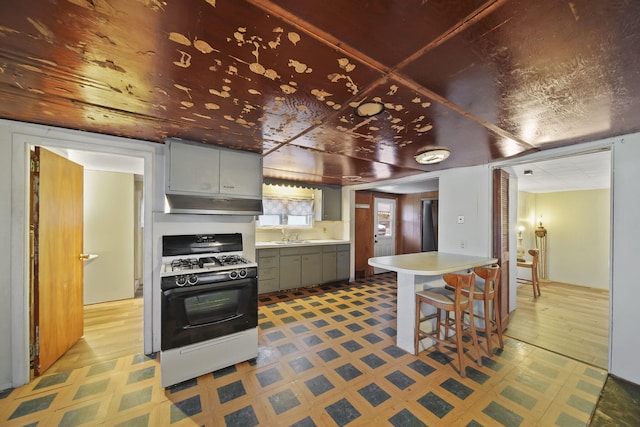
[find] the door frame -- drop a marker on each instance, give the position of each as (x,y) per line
(377,198)
(21,143)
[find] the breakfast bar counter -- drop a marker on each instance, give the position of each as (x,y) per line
(423,268)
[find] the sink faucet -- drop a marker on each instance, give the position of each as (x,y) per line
(289,237)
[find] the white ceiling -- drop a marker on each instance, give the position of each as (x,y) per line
(581,172)
(104,162)
(410,187)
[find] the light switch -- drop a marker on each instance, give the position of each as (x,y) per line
(460,219)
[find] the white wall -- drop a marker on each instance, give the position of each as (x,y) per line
(6,294)
(625,292)
(578,236)
(465,192)
(108,233)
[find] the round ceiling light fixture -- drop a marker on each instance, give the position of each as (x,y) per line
(369,109)
(432,155)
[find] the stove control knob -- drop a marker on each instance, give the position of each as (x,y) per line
(242,273)
(181,280)
(233,275)
(192,280)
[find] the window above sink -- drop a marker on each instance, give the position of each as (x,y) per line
(286,207)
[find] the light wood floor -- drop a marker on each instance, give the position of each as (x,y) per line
(566,319)
(111,330)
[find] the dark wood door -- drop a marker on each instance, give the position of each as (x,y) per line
(501,237)
(363,233)
(57,223)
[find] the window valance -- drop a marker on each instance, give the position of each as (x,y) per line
(287,206)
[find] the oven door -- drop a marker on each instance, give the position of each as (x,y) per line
(203,312)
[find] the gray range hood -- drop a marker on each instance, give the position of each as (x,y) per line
(192,204)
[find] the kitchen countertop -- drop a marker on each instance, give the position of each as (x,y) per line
(310,242)
(429,263)
(411,270)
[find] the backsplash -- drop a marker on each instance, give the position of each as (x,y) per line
(321,230)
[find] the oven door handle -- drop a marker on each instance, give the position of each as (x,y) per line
(226,319)
(205,287)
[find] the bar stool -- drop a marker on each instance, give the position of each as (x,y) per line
(450,301)
(487,290)
(533,265)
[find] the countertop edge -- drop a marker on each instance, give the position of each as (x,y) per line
(271,245)
(414,267)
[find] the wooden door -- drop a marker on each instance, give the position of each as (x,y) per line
(363,233)
(57,223)
(501,237)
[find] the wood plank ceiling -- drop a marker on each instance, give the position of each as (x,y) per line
(486,79)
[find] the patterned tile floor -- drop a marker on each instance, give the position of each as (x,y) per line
(326,358)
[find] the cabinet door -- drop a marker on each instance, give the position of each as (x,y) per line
(311,271)
(342,264)
(267,285)
(241,173)
(329,267)
(331,204)
(289,271)
(193,169)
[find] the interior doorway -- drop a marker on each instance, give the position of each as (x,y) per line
(569,198)
(111,230)
(384,228)
(429,224)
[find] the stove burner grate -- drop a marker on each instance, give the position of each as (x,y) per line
(184,264)
(232,260)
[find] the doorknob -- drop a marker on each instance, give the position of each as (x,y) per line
(84,256)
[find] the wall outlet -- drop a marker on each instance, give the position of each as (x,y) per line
(463,243)
(460,219)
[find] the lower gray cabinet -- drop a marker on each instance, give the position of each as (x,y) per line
(329,264)
(290,269)
(311,271)
(268,270)
(343,262)
(298,266)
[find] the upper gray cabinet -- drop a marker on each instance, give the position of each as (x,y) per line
(204,179)
(240,173)
(193,169)
(206,170)
(331,203)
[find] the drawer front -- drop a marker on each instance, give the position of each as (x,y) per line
(343,248)
(267,252)
(301,250)
(329,248)
(267,273)
(267,262)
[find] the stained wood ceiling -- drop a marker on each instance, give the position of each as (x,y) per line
(487,79)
